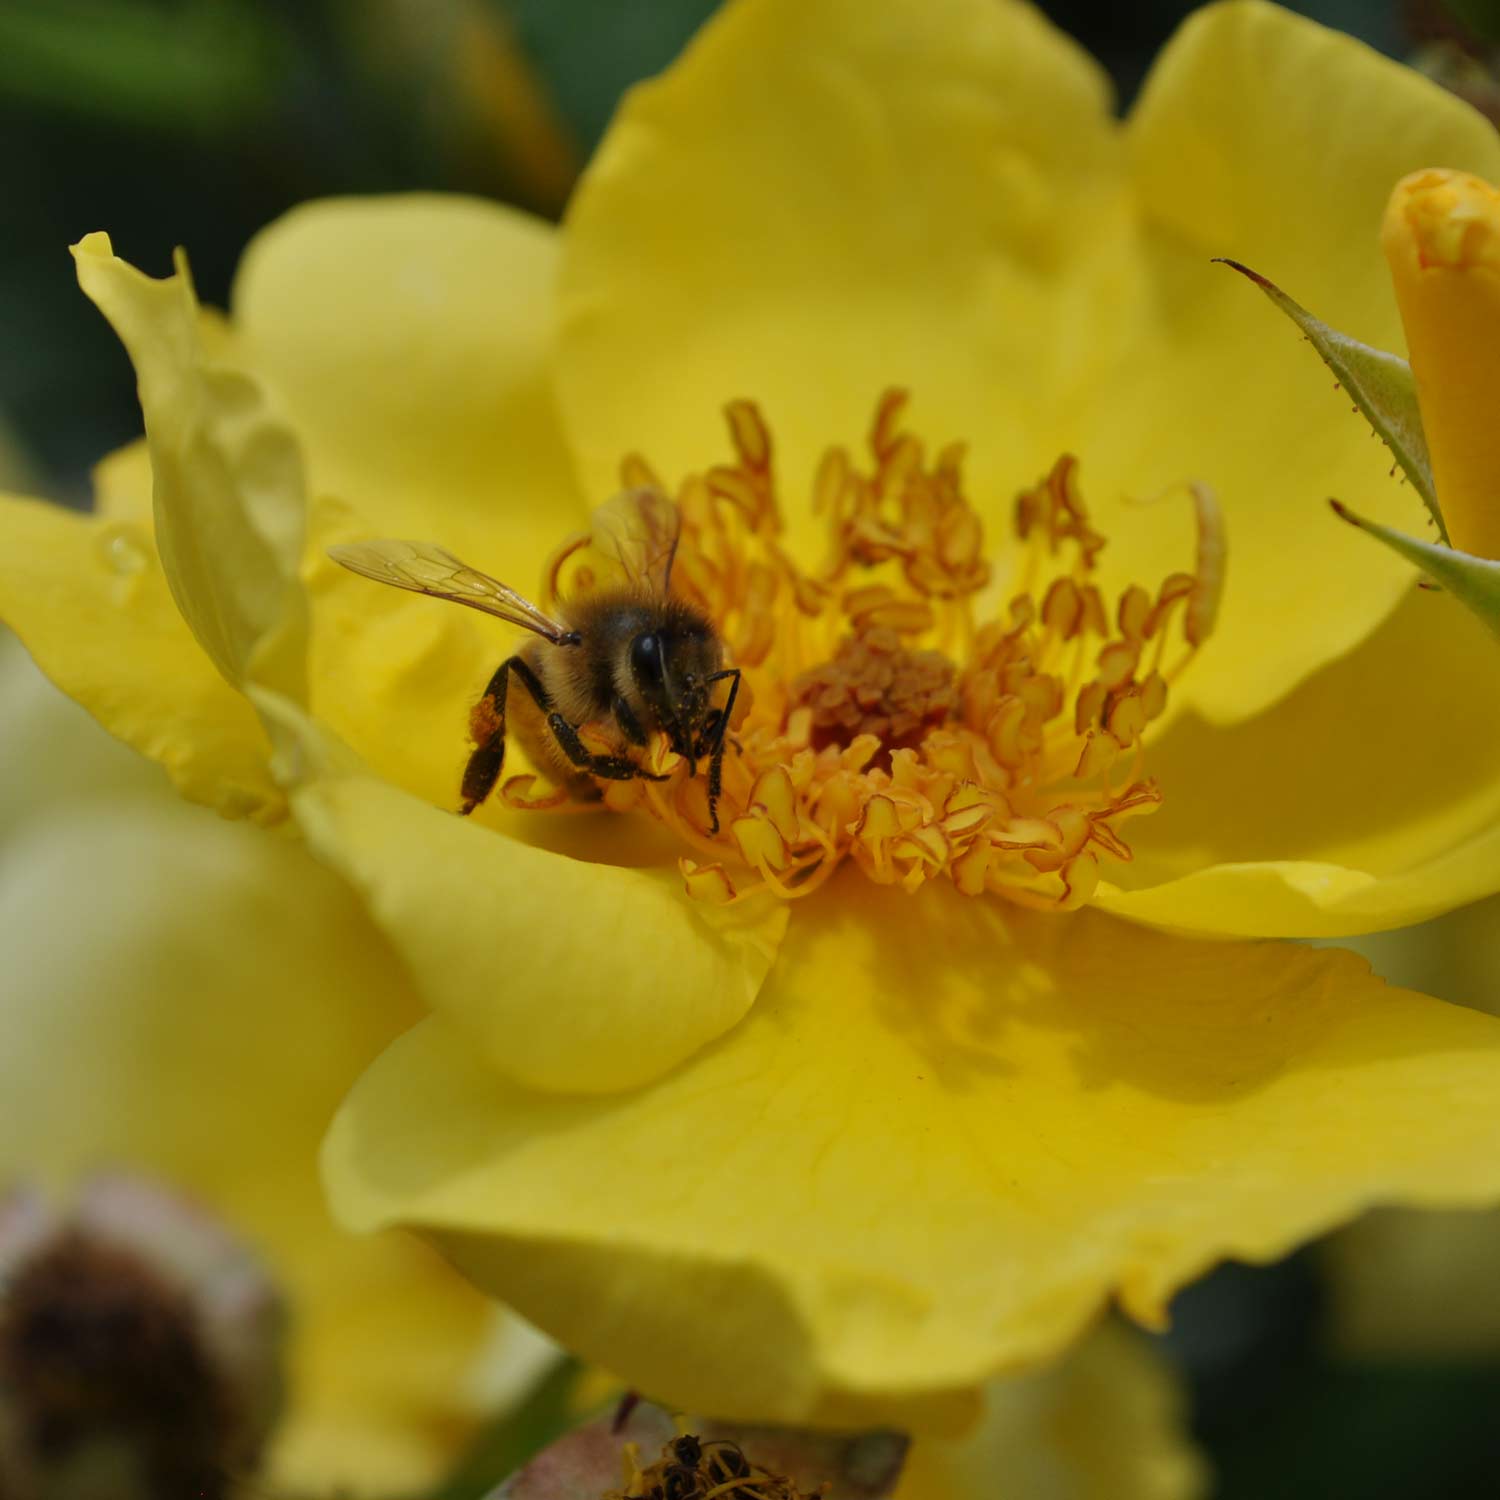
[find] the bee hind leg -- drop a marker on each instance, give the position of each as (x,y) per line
(487,730)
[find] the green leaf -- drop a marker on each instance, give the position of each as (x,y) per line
(213,67)
(1380,385)
(1473,581)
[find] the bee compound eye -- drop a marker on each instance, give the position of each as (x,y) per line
(645,657)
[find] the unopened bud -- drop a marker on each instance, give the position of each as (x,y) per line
(1442,241)
(139,1348)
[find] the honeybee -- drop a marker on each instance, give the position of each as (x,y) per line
(626,657)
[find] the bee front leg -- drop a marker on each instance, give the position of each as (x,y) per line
(610,767)
(719,734)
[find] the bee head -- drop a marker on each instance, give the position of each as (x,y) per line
(670,665)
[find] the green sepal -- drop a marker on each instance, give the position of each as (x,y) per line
(1473,581)
(1379,384)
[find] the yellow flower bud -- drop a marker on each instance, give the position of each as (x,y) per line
(1442,240)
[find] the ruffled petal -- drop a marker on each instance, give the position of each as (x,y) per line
(409,338)
(1262,136)
(90,601)
(930,196)
(944,1136)
(1341,810)
(564,973)
(188,998)
(228,501)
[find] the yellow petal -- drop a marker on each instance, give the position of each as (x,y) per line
(1340,810)
(1264,137)
(928,197)
(409,339)
(394,675)
(189,998)
(228,497)
(1105,1423)
(1442,240)
(565,974)
(945,1134)
(90,602)
(988,248)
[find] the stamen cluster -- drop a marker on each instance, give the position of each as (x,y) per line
(888,720)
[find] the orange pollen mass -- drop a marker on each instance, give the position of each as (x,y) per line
(874,684)
(884,717)
(483,721)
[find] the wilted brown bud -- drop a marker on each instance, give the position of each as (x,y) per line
(139,1348)
(646,1454)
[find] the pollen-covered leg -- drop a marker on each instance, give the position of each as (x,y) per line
(610,767)
(487,730)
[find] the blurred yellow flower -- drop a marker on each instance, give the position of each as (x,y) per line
(1409,1284)
(1107,1422)
(187,998)
(847,1157)
(1442,240)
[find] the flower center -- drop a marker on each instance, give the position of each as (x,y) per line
(883,717)
(875,684)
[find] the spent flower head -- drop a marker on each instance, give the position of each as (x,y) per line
(140,1347)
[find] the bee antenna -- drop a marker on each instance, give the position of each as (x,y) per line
(666,574)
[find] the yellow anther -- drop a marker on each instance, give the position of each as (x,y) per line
(752,440)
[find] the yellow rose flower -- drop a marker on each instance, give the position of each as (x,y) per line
(189,999)
(847,1155)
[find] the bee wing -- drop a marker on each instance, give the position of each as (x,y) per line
(426,568)
(640,527)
